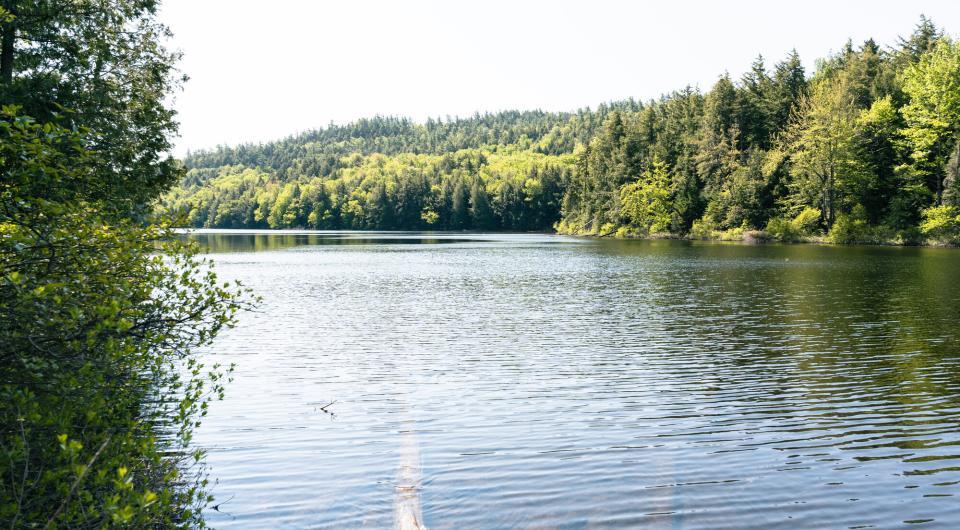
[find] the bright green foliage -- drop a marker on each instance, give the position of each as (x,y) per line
(645,204)
(933,118)
(821,146)
(942,223)
(98,330)
(703,229)
(796,229)
(100,316)
(780,229)
(854,228)
(806,221)
(500,188)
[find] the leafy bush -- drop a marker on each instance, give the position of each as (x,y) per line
(703,228)
(781,229)
(807,221)
(796,229)
(850,229)
(941,223)
(99,386)
(732,234)
(645,204)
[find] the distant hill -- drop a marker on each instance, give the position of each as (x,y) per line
(503,171)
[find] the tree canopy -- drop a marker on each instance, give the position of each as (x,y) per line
(101,312)
(870,136)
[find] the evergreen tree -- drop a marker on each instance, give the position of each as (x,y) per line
(481,214)
(459,207)
(788,85)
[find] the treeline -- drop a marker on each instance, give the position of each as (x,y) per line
(471,189)
(863,150)
(504,171)
(314,152)
(101,311)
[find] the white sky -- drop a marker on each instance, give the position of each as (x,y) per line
(264,70)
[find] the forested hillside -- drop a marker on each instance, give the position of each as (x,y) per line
(505,171)
(865,149)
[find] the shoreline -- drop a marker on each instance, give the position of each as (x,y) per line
(761,237)
(748,237)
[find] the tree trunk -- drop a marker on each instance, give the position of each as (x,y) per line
(940,178)
(828,197)
(956,168)
(6,53)
(952,191)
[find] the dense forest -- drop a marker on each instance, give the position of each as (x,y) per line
(100,382)
(505,171)
(863,150)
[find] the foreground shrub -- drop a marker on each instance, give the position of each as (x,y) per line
(100,385)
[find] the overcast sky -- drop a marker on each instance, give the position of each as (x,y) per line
(264,70)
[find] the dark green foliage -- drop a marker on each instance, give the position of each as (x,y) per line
(481,214)
(102,60)
(92,318)
(100,315)
(870,142)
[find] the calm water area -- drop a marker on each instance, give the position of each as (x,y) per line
(527,381)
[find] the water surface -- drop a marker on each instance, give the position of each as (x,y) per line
(530,381)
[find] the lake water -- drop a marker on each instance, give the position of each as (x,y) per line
(533,381)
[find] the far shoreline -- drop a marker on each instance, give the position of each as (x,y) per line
(748,237)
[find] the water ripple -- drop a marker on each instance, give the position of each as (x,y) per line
(548,382)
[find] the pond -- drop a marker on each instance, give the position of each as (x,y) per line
(536,381)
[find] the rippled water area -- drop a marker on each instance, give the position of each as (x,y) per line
(463,381)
